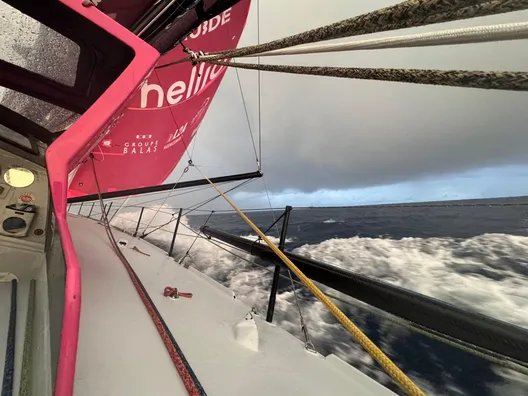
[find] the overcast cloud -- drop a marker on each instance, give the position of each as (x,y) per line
(323,133)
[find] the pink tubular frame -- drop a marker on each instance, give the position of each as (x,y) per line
(72,147)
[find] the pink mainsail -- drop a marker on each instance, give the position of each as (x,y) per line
(152,135)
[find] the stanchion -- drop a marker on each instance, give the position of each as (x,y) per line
(109,208)
(175,231)
(139,221)
(91,209)
(276,273)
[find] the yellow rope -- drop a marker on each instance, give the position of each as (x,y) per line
(399,376)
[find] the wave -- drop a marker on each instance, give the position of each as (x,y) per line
(486,273)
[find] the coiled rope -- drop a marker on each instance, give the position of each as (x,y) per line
(399,376)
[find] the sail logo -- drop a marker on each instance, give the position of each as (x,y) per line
(146,147)
(201,112)
(195,123)
(180,91)
(175,137)
(211,25)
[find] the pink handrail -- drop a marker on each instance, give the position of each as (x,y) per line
(72,147)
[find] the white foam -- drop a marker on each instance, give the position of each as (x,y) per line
(445,268)
(468,273)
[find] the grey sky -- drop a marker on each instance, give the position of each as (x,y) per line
(329,133)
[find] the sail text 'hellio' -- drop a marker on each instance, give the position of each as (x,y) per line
(152,135)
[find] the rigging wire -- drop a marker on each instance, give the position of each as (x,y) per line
(248,120)
(399,206)
(477,34)
(156,227)
(501,80)
(273,224)
(120,207)
(194,145)
(189,209)
(169,193)
(188,190)
(308,344)
(205,202)
(258,89)
(257,155)
(195,189)
(180,261)
(199,205)
(189,162)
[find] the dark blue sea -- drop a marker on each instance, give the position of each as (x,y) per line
(473,254)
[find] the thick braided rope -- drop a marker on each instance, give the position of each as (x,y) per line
(477,34)
(399,376)
(403,15)
(503,80)
(28,340)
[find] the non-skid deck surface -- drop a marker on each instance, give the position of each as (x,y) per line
(121,353)
(5,307)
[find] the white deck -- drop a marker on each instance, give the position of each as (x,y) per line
(121,353)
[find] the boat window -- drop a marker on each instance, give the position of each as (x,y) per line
(54,62)
(14,137)
(19,177)
(47,115)
(33,46)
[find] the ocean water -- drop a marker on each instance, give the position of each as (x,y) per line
(475,257)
